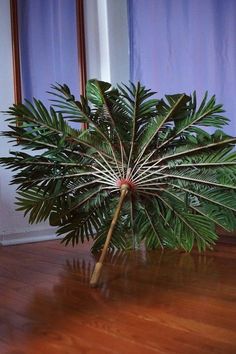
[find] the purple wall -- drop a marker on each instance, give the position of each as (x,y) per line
(185,45)
(48,46)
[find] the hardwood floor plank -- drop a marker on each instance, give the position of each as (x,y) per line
(148,302)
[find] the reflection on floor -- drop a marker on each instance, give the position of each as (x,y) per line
(148,302)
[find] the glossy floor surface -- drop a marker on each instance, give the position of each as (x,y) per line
(151,302)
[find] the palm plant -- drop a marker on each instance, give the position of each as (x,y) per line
(143,171)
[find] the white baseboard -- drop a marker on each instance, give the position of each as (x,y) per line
(28,237)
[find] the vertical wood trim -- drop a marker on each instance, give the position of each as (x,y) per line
(16,49)
(15,52)
(81,45)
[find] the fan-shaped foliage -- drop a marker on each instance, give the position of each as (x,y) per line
(180,178)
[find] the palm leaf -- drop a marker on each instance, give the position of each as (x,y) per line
(145,171)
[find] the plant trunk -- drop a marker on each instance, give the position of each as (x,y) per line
(98,267)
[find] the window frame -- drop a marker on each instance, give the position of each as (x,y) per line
(81,49)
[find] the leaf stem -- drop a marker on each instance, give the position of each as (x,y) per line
(97,270)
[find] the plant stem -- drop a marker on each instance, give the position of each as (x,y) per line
(97,270)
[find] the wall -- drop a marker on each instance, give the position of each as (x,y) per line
(107,57)
(13,226)
(106,24)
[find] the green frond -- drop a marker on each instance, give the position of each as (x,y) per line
(79,228)
(122,235)
(212,209)
(165,112)
(190,228)
(181,179)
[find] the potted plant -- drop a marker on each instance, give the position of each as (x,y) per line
(143,171)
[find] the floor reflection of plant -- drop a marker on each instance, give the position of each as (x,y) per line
(137,283)
(135,276)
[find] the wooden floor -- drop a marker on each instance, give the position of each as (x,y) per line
(147,303)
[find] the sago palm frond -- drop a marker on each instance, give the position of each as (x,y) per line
(144,171)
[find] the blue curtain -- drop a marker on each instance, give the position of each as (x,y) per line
(48,46)
(185,45)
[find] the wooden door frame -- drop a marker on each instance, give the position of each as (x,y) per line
(81,45)
(15,52)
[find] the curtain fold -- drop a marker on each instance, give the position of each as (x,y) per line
(48,46)
(185,45)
